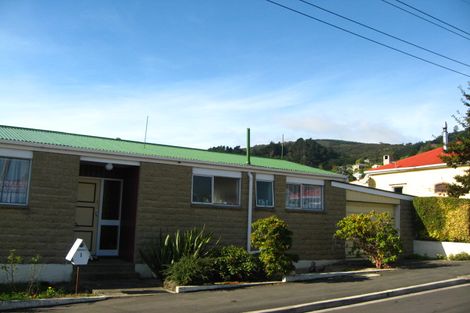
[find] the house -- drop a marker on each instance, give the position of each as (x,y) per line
(423,174)
(118,195)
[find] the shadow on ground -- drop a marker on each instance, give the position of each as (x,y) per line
(423,264)
(339,279)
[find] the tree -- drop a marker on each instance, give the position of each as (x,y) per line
(373,235)
(458,151)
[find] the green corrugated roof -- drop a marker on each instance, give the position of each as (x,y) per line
(126,147)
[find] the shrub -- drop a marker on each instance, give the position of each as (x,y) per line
(442,219)
(169,249)
(462,256)
(190,270)
(11,267)
(272,237)
(236,264)
(373,235)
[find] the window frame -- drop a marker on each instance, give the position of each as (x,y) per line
(305,182)
(266,179)
(19,155)
(212,174)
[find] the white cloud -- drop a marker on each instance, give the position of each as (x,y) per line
(217,112)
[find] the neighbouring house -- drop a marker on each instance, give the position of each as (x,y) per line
(118,195)
(423,175)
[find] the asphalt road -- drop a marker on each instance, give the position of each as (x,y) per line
(448,300)
(265,297)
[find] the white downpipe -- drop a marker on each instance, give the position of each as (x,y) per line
(250,211)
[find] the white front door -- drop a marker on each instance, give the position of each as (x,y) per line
(109,219)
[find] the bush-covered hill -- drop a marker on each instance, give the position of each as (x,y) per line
(334,154)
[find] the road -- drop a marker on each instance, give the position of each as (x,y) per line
(448,300)
(265,297)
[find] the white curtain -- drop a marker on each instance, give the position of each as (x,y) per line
(14,180)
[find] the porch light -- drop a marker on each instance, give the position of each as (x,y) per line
(109,166)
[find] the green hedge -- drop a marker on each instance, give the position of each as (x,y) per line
(442,219)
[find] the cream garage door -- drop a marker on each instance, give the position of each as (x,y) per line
(353,207)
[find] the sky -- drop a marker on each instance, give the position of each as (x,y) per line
(204,71)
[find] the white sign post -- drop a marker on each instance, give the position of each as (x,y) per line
(78,255)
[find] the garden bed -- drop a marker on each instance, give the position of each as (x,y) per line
(39,291)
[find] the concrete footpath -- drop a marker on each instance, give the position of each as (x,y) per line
(292,297)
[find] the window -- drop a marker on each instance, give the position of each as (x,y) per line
(264,190)
(14,180)
(303,194)
(216,187)
(440,188)
(398,189)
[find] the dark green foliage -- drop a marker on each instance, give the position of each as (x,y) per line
(168,249)
(191,270)
(373,235)
(272,237)
(442,219)
(335,155)
(227,149)
(462,256)
(158,255)
(236,264)
(459,152)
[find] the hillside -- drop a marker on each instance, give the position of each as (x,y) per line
(335,155)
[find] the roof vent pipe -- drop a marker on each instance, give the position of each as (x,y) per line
(248,148)
(445,136)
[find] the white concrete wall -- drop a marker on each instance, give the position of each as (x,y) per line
(443,248)
(418,182)
(52,273)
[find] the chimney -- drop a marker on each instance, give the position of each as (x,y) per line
(387,159)
(445,136)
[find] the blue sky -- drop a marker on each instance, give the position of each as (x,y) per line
(204,71)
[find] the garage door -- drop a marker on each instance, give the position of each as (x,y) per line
(365,207)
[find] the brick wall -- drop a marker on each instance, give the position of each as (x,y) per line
(164,203)
(312,231)
(45,226)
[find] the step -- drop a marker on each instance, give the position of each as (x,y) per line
(107,269)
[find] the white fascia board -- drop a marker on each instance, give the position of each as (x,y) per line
(106,160)
(307,181)
(14,153)
(372,191)
(162,160)
(211,172)
(405,169)
(265,177)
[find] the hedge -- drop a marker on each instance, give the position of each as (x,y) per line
(442,219)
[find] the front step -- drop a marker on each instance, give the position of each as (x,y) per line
(104,269)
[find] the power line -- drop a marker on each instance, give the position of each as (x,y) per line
(425,19)
(437,19)
(366,38)
(384,33)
